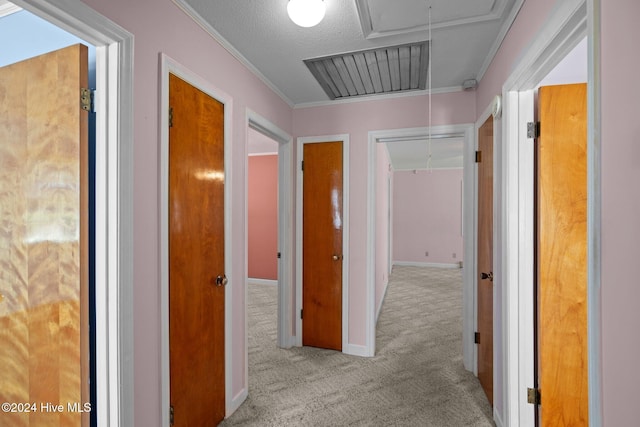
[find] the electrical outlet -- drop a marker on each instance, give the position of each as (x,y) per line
(426,253)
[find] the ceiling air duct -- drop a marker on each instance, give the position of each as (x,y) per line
(375,71)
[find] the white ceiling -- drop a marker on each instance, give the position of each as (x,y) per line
(465,33)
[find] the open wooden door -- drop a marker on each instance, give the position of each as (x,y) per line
(322,245)
(44,334)
(196,256)
(484,336)
(562,256)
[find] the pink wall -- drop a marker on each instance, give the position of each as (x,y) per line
(160,26)
(620,226)
(263,217)
(357,119)
(427,216)
(620,207)
(532,15)
(383,203)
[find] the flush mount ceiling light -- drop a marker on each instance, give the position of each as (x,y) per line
(306,13)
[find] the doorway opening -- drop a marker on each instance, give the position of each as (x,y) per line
(113,209)
(457,150)
(570,24)
(170,67)
(330,161)
(263,137)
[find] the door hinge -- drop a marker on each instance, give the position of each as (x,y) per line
(171,415)
(279,255)
(478,156)
(86,99)
(170,117)
(533,130)
(476,338)
(302,166)
(301,313)
(533,396)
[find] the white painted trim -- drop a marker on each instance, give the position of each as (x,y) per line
(207,27)
(567,26)
(504,29)
(594,204)
(384,296)
(449,266)
(346,346)
(497,418)
(356,350)
(367,28)
(285,223)
(168,65)
(468,297)
(378,97)
(7,9)
(430,169)
(114,199)
(262,282)
(274,153)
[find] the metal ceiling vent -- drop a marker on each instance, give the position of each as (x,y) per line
(374,71)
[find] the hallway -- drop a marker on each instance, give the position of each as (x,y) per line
(416,377)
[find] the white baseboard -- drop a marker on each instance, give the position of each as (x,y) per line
(426,264)
(496,418)
(357,350)
(384,295)
(236,401)
(266,282)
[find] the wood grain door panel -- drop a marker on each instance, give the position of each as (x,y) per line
(485,257)
(196,256)
(322,245)
(44,332)
(562,255)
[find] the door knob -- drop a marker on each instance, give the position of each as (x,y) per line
(337,257)
(222,280)
(485,276)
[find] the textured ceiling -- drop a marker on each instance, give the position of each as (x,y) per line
(466,34)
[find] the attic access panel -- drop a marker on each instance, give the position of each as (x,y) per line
(374,71)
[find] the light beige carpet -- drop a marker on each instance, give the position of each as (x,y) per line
(415,379)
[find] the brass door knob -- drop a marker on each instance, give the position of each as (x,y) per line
(485,276)
(222,280)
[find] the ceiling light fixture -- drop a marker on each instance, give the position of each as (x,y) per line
(306,13)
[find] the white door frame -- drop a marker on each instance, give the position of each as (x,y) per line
(258,123)
(469,229)
(571,22)
(168,65)
(344,138)
(114,199)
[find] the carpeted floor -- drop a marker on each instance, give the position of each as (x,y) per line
(415,379)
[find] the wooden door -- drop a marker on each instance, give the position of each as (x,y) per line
(322,245)
(43,239)
(196,256)
(562,255)
(485,257)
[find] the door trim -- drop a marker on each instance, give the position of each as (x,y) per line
(469,229)
(347,348)
(114,200)
(255,121)
(168,65)
(570,23)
